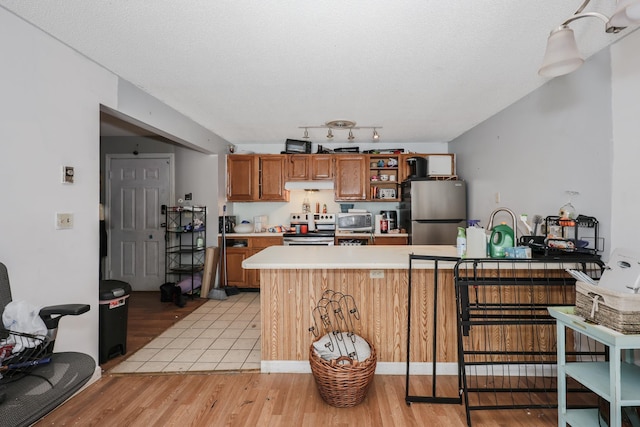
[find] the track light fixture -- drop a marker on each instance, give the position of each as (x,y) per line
(342,124)
(562,55)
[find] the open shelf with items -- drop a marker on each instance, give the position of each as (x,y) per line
(574,236)
(384,177)
(615,379)
(185,238)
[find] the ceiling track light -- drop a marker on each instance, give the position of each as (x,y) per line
(562,55)
(344,125)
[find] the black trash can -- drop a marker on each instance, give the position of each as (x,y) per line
(114,311)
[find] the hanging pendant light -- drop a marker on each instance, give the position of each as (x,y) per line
(351,137)
(562,55)
(342,125)
(626,14)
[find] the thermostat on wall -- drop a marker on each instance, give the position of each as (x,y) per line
(67,174)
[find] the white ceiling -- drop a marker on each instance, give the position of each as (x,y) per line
(257,70)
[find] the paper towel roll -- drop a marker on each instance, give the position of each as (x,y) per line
(378,218)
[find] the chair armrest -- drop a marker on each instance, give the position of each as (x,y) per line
(51,315)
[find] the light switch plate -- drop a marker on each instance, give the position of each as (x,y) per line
(64,221)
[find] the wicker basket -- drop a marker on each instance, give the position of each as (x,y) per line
(343,385)
(615,310)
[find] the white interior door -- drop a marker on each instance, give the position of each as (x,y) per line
(137,187)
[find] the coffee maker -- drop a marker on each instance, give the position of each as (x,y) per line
(417,167)
(229,223)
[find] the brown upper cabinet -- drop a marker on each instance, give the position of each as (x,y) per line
(261,177)
(272,173)
(252,178)
(315,167)
(351,177)
(242,177)
(322,167)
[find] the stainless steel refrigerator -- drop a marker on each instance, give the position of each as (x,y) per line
(431,211)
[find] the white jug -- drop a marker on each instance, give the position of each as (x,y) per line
(476,242)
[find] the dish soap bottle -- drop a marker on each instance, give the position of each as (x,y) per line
(461,242)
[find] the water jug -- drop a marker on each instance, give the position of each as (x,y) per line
(476,242)
(501,238)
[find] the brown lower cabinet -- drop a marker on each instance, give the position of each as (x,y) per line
(388,240)
(251,245)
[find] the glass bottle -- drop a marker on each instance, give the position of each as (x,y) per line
(567,211)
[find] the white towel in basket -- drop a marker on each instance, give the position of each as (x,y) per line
(21,316)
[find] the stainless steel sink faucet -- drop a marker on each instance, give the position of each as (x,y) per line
(513,219)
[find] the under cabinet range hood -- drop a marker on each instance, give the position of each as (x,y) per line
(308,185)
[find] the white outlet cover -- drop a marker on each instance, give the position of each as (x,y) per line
(64,221)
(376,274)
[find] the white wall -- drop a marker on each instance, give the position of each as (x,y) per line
(625,196)
(557,138)
(197,173)
(49,117)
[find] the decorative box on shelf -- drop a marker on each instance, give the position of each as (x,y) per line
(615,310)
(614,300)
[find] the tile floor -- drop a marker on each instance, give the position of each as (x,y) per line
(217,336)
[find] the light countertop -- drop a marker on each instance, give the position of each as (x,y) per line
(346,257)
(338,234)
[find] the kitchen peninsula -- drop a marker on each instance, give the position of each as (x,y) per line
(292,280)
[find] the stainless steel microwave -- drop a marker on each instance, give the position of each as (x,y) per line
(355,221)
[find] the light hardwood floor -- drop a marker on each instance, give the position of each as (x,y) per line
(254,399)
